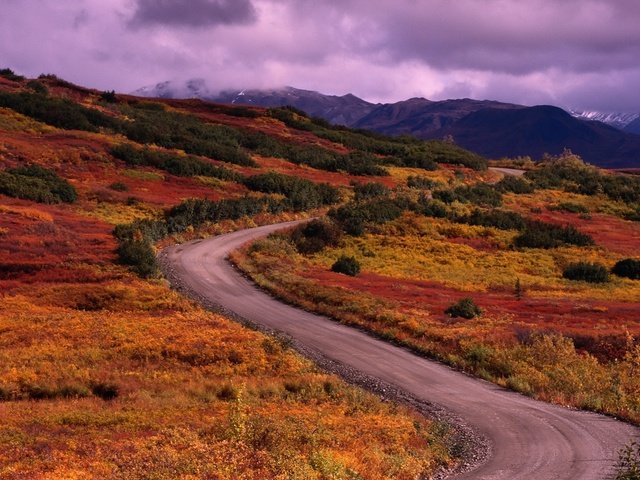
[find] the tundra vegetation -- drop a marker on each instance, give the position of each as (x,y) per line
(439,261)
(104,371)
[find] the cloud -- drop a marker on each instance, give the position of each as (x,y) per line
(578,53)
(193,13)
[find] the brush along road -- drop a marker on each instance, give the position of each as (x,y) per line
(529,440)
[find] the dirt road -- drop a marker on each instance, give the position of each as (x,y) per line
(529,440)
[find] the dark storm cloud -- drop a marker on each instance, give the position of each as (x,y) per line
(193,13)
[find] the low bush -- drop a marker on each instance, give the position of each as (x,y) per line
(38,87)
(586,272)
(354,216)
(569,207)
(109,96)
(314,236)
(140,256)
(10,75)
(481,194)
(346,265)
(364,191)
(546,235)
(501,219)
(513,184)
(628,268)
(179,165)
(422,183)
(105,391)
(464,308)
(37,184)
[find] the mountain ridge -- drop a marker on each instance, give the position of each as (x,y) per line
(602,143)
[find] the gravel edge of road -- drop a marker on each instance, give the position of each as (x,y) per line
(469,446)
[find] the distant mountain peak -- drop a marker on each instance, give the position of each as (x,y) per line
(615,119)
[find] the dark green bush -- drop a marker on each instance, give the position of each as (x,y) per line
(109,96)
(628,268)
(105,391)
(569,207)
(464,308)
(37,87)
(422,183)
(364,191)
(586,272)
(37,184)
(433,208)
(314,236)
(61,113)
(301,194)
(180,165)
(513,184)
(347,266)
(139,255)
(353,217)
(481,194)
(10,75)
(502,219)
(545,235)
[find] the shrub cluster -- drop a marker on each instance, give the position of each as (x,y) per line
(481,194)
(513,184)
(628,268)
(301,194)
(37,184)
(347,266)
(354,216)
(569,207)
(464,308)
(180,165)
(364,191)
(314,236)
(422,183)
(61,113)
(546,235)
(571,174)
(10,75)
(586,272)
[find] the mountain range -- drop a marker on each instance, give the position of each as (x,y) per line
(491,128)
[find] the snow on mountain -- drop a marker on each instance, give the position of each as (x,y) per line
(618,120)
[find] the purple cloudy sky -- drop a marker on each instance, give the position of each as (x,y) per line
(574,53)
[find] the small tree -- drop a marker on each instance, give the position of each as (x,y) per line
(465,308)
(518,291)
(629,268)
(346,265)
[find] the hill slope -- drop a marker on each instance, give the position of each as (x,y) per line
(535,131)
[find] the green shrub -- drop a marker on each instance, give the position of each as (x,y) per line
(37,184)
(10,75)
(301,194)
(314,236)
(586,272)
(501,219)
(422,183)
(481,194)
(546,235)
(346,265)
(629,268)
(61,113)
(180,165)
(105,391)
(513,184)
(364,191)
(38,87)
(109,96)
(569,207)
(628,467)
(464,308)
(140,256)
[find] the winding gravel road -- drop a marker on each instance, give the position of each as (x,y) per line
(529,440)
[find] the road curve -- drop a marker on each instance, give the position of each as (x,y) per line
(530,440)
